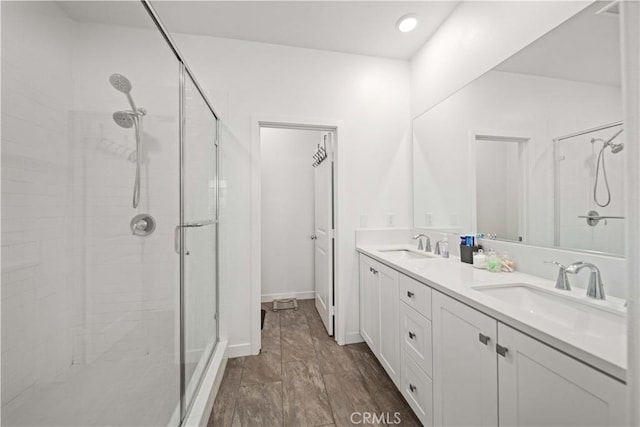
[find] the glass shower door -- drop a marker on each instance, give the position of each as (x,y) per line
(199,228)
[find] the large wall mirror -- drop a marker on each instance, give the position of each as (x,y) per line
(533,150)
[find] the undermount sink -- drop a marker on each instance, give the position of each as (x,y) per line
(406,254)
(568,311)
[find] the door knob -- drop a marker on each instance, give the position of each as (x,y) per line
(314,237)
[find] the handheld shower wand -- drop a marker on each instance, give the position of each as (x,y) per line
(615,149)
(128,119)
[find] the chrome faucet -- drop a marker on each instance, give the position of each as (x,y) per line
(436,250)
(596,287)
(421,247)
(562,282)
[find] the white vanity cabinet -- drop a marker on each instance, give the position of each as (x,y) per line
(379,313)
(369,304)
(540,386)
(457,366)
(465,385)
(487,373)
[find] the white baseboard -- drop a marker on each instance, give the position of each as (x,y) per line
(202,406)
(239,350)
(353,338)
(297,295)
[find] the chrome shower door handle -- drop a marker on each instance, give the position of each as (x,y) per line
(176,240)
(197,224)
(192,224)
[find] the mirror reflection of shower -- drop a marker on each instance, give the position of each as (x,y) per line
(128,119)
(600,164)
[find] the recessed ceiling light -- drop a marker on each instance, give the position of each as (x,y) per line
(407,23)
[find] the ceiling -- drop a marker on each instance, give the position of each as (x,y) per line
(357,27)
(585,48)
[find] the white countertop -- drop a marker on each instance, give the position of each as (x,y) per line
(458,280)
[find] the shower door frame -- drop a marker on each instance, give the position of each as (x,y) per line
(184,71)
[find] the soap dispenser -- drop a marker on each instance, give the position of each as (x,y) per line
(444,249)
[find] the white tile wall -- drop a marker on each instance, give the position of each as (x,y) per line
(36,282)
(86,306)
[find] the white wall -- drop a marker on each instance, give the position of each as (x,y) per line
(370,96)
(476,37)
(287,212)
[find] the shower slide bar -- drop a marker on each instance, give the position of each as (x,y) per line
(588,131)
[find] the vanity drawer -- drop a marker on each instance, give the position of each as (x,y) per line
(415,331)
(417,389)
(416,295)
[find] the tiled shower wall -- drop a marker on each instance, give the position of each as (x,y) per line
(75,281)
(36,195)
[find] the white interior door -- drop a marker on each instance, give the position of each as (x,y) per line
(324,234)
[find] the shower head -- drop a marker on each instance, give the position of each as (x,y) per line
(120,82)
(123,119)
(616,148)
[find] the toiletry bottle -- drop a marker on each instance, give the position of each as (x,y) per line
(444,249)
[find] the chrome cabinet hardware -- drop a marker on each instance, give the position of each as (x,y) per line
(314,237)
(484,339)
(412,335)
(410,294)
(412,388)
(502,351)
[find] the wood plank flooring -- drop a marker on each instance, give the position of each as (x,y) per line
(303,378)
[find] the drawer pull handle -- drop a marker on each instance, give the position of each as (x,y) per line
(410,294)
(502,351)
(412,335)
(484,339)
(412,388)
(373,270)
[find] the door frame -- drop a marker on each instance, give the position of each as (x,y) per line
(288,122)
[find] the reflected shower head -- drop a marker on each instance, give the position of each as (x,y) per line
(120,82)
(616,148)
(123,119)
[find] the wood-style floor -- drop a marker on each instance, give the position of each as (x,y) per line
(303,378)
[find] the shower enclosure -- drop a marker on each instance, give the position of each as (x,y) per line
(589,189)
(109,226)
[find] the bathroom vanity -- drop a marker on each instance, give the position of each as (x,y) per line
(470,347)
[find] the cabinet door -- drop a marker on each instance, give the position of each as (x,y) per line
(369,303)
(465,383)
(389,322)
(539,386)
